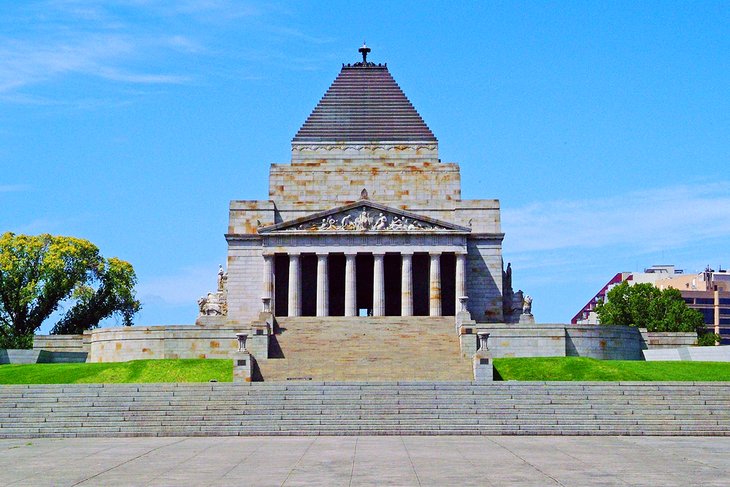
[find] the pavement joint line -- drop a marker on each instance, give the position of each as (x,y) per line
(294,467)
(181,462)
(568,454)
(354,454)
(528,463)
(473,465)
(410,460)
(55,449)
(685,458)
(240,462)
(126,462)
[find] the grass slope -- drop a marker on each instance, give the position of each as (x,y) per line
(587,369)
(194,370)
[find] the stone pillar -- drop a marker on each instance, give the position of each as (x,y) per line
(295,303)
(350,285)
(242,361)
(323,295)
(482,360)
(268,279)
(378,285)
(406,285)
(460,279)
(435,284)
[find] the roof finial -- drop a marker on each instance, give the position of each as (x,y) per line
(364,50)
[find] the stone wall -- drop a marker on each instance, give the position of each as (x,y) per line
(342,181)
(62,343)
(523,341)
(555,340)
(484,279)
(162,342)
(603,342)
(657,339)
(36,356)
(245,280)
(700,354)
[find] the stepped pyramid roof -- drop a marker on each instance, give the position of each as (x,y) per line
(364,105)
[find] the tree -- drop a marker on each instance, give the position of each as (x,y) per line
(40,273)
(645,306)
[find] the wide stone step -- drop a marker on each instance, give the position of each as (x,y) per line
(315,408)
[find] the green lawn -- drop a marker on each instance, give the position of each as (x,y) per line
(587,369)
(195,370)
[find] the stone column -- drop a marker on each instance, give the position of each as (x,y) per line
(295,303)
(460,279)
(378,285)
(350,285)
(323,295)
(269,278)
(435,284)
(406,285)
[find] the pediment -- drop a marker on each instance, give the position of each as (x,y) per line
(364,216)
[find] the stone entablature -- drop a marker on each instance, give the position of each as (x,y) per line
(479,216)
(359,151)
(365,216)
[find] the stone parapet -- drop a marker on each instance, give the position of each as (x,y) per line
(553,340)
(656,339)
(162,342)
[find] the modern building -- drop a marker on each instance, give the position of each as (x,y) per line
(587,314)
(707,291)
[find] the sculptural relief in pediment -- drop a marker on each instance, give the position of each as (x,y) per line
(367,219)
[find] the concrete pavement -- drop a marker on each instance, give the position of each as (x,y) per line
(367,460)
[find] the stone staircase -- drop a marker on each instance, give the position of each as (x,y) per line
(365,349)
(365,408)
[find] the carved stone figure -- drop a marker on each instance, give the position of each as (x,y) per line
(222,277)
(216,304)
(527,305)
(363,221)
(395,224)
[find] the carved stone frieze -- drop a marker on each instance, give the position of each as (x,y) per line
(365,219)
(359,147)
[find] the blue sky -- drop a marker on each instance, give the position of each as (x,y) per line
(603,128)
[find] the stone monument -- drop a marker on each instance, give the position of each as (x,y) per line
(365,219)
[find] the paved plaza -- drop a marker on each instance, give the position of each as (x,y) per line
(539,461)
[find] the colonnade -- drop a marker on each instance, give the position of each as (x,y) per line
(294,295)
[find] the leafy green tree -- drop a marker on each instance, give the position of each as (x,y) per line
(39,273)
(645,306)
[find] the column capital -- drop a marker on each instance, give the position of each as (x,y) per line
(408,253)
(294,254)
(378,253)
(435,253)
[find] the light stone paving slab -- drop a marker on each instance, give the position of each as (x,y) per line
(359,461)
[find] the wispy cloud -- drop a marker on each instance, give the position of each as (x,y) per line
(645,220)
(182,287)
(13,188)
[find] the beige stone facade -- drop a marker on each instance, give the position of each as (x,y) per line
(365,219)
